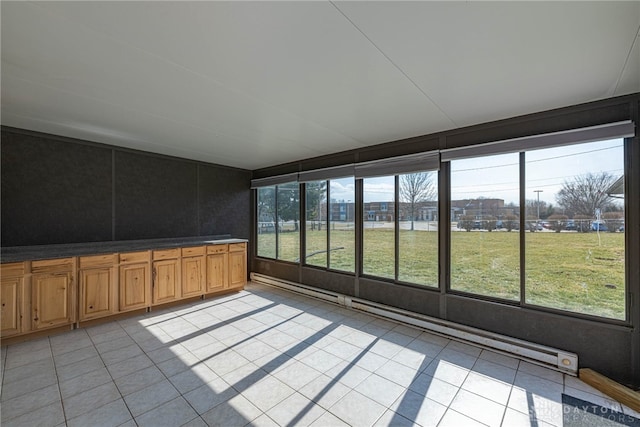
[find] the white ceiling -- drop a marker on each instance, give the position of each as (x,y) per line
(253,84)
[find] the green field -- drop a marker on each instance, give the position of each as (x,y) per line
(580,272)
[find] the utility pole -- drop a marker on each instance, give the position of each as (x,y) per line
(538,191)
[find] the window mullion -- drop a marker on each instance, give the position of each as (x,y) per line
(327,227)
(522,236)
(396,212)
(277,224)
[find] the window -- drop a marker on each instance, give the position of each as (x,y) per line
(342,250)
(536,221)
(330,243)
(278,231)
(378,237)
(400,210)
(571,220)
(316,223)
(575,246)
(418,228)
(485,250)
(288,214)
(267,222)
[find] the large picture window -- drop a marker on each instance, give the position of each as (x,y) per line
(316,223)
(401,210)
(378,237)
(342,250)
(278,228)
(267,222)
(418,228)
(330,233)
(288,240)
(575,249)
(485,214)
(569,252)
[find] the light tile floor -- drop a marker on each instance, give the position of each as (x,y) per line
(267,357)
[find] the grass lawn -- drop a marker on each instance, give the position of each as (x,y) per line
(569,271)
(576,272)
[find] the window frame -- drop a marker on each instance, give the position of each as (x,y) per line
(396,215)
(522,303)
(478,149)
(329,221)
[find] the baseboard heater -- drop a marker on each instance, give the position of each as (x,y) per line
(538,354)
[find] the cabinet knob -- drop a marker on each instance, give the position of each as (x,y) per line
(90,306)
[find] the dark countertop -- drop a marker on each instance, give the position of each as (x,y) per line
(29,253)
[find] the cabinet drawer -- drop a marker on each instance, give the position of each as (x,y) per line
(217,249)
(97,261)
(166,254)
(131,257)
(52,265)
(198,250)
(237,247)
(12,269)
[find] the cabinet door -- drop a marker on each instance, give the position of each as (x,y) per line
(51,300)
(97,297)
(165,281)
(217,272)
(134,286)
(237,269)
(192,276)
(11,306)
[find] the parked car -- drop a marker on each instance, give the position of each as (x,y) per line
(571,225)
(598,226)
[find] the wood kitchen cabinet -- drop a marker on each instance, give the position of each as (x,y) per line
(135,280)
(166,276)
(53,293)
(11,298)
(50,294)
(98,290)
(193,271)
(217,268)
(237,265)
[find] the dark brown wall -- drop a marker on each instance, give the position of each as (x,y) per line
(53,191)
(62,190)
(613,349)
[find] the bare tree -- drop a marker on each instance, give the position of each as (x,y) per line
(416,188)
(586,193)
